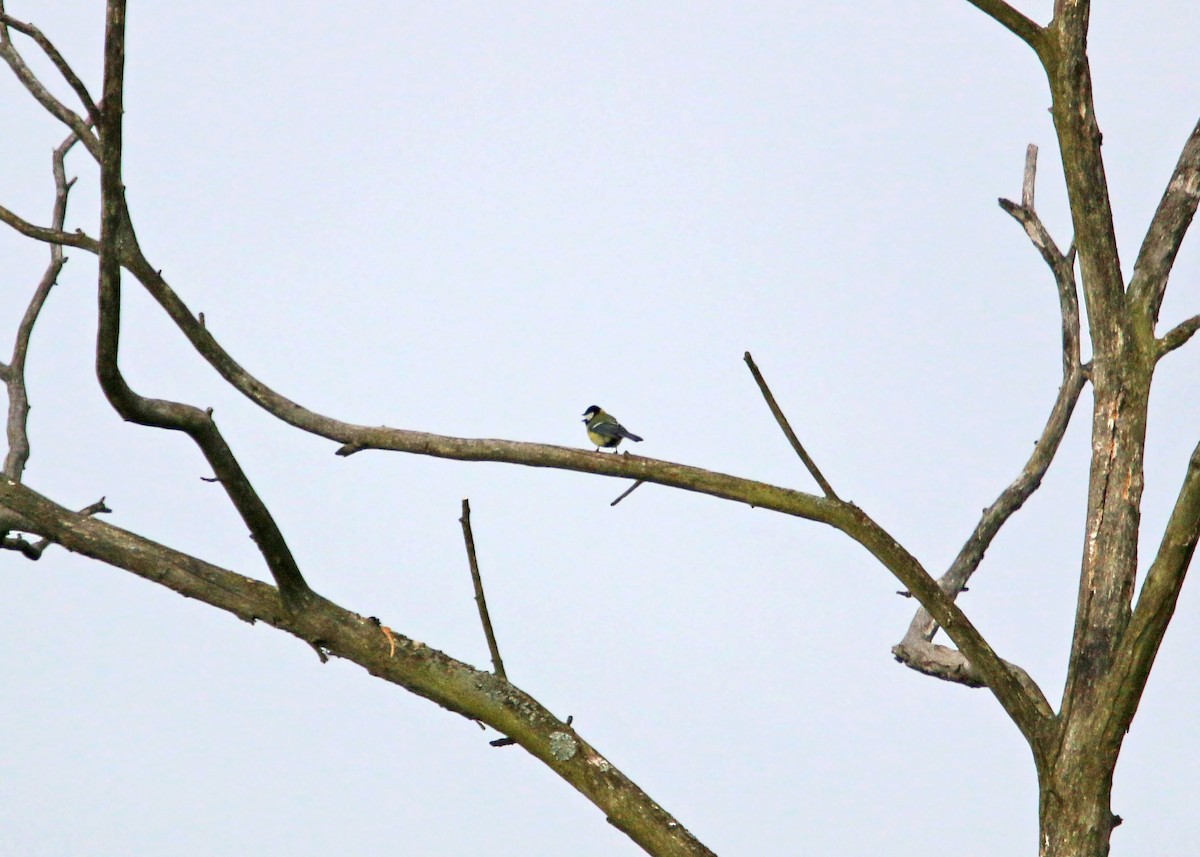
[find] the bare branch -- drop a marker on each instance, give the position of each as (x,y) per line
(196,423)
(9,53)
(456,686)
(1155,605)
(47,234)
(916,649)
(14,372)
(72,79)
(787,429)
(1178,336)
(1025,29)
(480,600)
(34,550)
(626,492)
(1061,265)
(1167,229)
(1028,711)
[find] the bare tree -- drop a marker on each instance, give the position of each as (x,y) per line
(1075,745)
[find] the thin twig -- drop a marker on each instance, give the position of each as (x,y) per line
(1062,266)
(14,372)
(787,429)
(627,492)
(480,600)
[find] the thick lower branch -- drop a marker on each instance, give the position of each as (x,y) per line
(454,685)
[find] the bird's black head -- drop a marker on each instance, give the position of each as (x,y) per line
(591,412)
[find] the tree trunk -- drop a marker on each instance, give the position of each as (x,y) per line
(1075,817)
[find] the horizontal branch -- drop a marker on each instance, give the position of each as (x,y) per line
(1027,711)
(49,234)
(332,629)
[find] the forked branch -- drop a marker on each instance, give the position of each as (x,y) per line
(916,650)
(10,54)
(158,413)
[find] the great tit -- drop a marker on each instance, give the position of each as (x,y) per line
(604,430)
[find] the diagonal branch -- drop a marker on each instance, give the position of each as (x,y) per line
(916,649)
(1025,29)
(9,53)
(422,670)
(60,63)
(480,600)
(158,413)
(1178,336)
(1028,709)
(13,373)
(119,248)
(1156,603)
(1167,229)
(10,521)
(787,429)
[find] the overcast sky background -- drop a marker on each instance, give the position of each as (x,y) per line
(478,219)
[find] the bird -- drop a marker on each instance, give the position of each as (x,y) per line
(604,430)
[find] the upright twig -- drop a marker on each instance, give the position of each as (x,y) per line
(1062,265)
(787,429)
(480,600)
(13,373)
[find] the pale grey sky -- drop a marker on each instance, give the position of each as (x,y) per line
(479,219)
